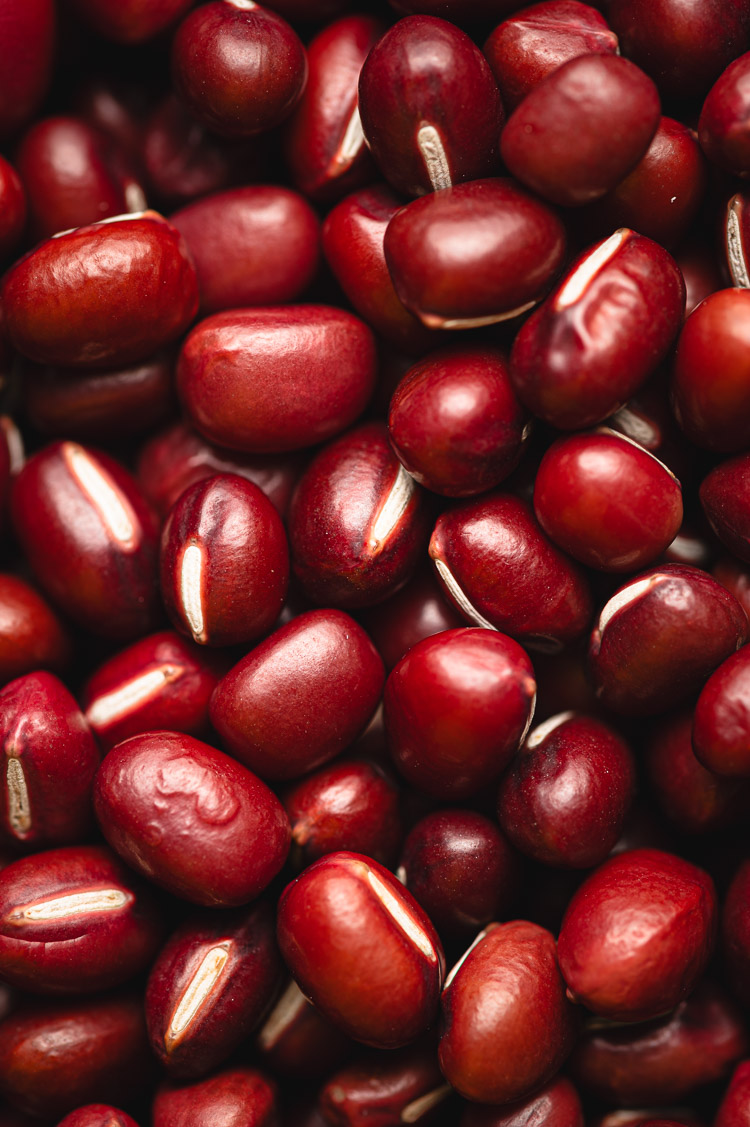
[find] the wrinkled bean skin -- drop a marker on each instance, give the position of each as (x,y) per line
(507,1023)
(272,379)
(668,909)
(361,949)
(191,819)
(109,293)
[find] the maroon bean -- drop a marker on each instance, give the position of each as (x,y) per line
(90,538)
(721,721)
(384,1092)
(74,920)
(665,1061)
(456,709)
(557,1104)
(508,1025)
(109,293)
(411,85)
(239,68)
(160,682)
(346,912)
(280,378)
(100,1053)
(459,867)
(210,986)
(582,129)
(301,696)
(97,1115)
(50,758)
(455,422)
(565,797)
(473,254)
(606,501)
(31,635)
(530,44)
(296,1041)
(417,611)
(131,21)
(353,235)
(251,246)
(660,637)
(711,374)
(696,800)
(13,208)
(224,562)
(682,45)
(191,819)
(351,805)
(237,1097)
(725,497)
(734,1108)
(178,457)
(500,570)
(98,406)
(324,145)
(357,521)
(637,935)
(71,177)
(576,360)
(723,126)
(29,38)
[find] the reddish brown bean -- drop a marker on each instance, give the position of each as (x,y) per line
(557,1104)
(721,721)
(31,635)
(385,1092)
(723,126)
(733,1109)
(97,1115)
(238,1097)
(297,1042)
(131,21)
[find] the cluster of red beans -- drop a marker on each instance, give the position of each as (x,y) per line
(375,573)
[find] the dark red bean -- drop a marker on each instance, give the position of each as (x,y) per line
(50,758)
(160,682)
(734,1107)
(456,709)
(721,721)
(500,570)
(357,521)
(280,378)
(666,1061)
(224,562)
(178,457)
(297,1042)
(351,805)
(606,501)
(301,696)
(384,1092)
(75,920)
(660,637)
(507,1023)
(566,795)
(29,38)
(456,423)
(735,933)
(31,635)
(130,21)
(100,1053)
(90,538)
(239,68)
(725,497)
(557,1104)
(238,1097)
(723,129)
(209,987)
(459,867)
(643,969)
(530,44)
(13,208)
(576,360)
(191,819)
(411,85)
(97,1115)
(346,912)
(110,293)
(251,246)
(582,129)
(417,611)
(682,45)
(474,254)
(70,176)
(711,374)
(324,144)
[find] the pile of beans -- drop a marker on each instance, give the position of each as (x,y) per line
(375,563)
